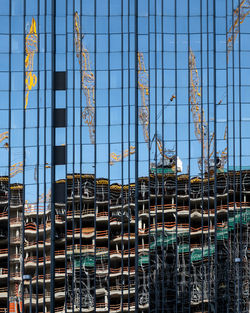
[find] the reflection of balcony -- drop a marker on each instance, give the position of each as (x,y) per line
(13,276)
(31,228)
(59,309)
(32,209)
(58,292)
(15,240)
(16,202)
(16,222)
(118,254)
(122,220)
(30,245)
(103,307)
(167,208)
(124,237)
(77,249)
(122,271)
(124,206)
(86,232)
(3,273)
(3,292)
(3,216)
(15,257)
(120,289)
(59,275)
(86,214)
(32,261)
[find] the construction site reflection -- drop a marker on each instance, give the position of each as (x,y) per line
(185,256)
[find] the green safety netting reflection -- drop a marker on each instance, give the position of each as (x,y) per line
(197,254)
(143,259)
(163,240)
(166,239)
(85,261)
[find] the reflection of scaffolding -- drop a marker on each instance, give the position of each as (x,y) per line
(31,47)
(201,126)
(87,80)
(79,290)
(143,289)
(207,275)
(189,261)
(239,16)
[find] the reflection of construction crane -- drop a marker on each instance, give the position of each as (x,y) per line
(45,198)
(31,47)
(143,111)
(4,136)
(144,89)
(201,126)
(239,16)
(168,161)
(16,169)
(87,80)
(168,156)
(160,147)
(118,157)
(172,98)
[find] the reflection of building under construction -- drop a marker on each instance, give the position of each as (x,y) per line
(102,265)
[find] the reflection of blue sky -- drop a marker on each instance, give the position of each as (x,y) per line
(113,103)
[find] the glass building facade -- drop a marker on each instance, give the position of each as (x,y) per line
(124,156)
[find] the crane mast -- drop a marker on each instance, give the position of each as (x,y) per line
(144,116)
(160,146)
(195,95)
(143,110)
(87,80)
(31,47)
(200,124)
(144,91)
(239,15)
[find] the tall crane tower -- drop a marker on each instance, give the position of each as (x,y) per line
(87,80)
(167,161)
(144,91)
(31,47)
(200,124)
(239,15)
(143,111)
